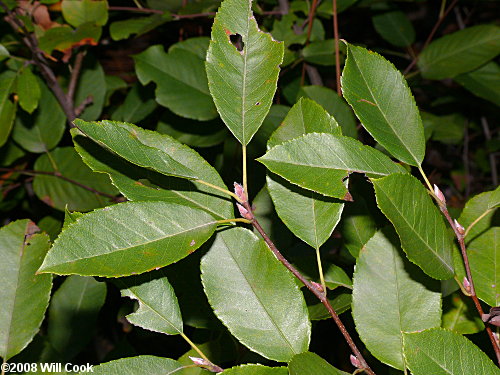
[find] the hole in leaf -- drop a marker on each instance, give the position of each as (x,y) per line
(237,41)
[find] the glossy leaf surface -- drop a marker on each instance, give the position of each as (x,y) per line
(381,99)
(460,52)
(255,296)
(483,82)
(28,90)
(441,352)
(243,80)
(420,226)
(140,365)
(142,184)
(58,193)
(128,238)
(158,307)
(319,162)
(77,13)
(24,295)
(181,82)
(130,142)
(73,313)
(395,27)
(382,275)
(312,364)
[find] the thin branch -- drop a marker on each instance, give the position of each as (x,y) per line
(41,62)
(314,289)
(75,74)
(30,172)
(431,35)
(310,21)
(337,52)
(459,233)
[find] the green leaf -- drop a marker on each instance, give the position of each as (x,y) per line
(480,210)
(484,260)
(320,161)
(312,364)
(395,27)
(441,352)
(483,82)
(7,106)
(158,307)
(64,37)
(142,184)
(77,13)
(42,131)
(255,370)
(24,295)
(306,116)
(92,83)
(242,82)
(130,142)
(265,310)
(369,84)
(140,365)
(381,274)
(58,193)
(73,313)
(321,52)
(137,105)
(420,226)
(181,81)
(447,129)
(460,52)
(310,216)
(460,315)
(128,238)
(9,153)
(28,90)
(124,29)
(335,105)
(196,45)
(340,303)
(4,52)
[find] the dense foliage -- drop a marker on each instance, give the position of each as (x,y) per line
(362,232)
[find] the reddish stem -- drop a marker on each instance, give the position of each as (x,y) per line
(337,52)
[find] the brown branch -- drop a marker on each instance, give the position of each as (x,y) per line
(75,74)
(321,295)
(431,35)
(30,172)
(459,233)
(310,21)
(337,52)
(41,62)
(493,163)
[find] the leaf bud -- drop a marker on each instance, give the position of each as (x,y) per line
(318,286)
(240,192)
(244,212)
(439,194)
(460,228)
(467,285)
(355,361)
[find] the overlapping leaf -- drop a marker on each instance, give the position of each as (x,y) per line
(129,142)
(255,296)
(158,308)
(255,370)
(382,275)
(24,295)
(128,238)
(7,105)
(312,364)
(142,184)
(441,352)
(395,27)
(460,52)
(243,80)
(140,365)
(381,99)
(419,224)
(319,162)
(73,313)
(483,82)
(181,82)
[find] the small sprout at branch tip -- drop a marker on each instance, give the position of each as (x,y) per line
(240,192)
(460,228)
(439,194)
(467,285)
(355,361)
(206,364)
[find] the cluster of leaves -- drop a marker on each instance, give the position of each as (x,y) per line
(137,211)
